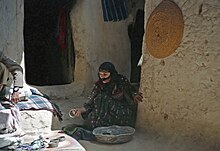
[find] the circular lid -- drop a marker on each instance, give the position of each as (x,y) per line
(164,29)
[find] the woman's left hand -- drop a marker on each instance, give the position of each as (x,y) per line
(138,97)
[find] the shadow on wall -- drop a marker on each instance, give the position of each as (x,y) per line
(136,33)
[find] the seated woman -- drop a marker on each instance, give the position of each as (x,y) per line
(11,73)
(113,101)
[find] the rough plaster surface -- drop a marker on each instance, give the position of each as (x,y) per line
(97,41)
(36,121)
(142,140)
(11,23)
(181,92)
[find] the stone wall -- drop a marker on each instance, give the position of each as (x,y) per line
(182,92)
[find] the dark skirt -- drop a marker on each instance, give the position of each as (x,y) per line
(107,111)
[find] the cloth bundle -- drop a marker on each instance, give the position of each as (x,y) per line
(78,132)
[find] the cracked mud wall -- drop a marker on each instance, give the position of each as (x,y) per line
(182,92)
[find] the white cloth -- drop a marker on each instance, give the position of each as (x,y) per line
(140,62)
(24,92)
(6,141)
(9,121)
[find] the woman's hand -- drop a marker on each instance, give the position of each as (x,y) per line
(76,112)
(15,97)
(138,97)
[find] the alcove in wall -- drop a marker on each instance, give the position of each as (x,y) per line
(136,33)
(48,44)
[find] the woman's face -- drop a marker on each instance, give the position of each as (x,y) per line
(105,76)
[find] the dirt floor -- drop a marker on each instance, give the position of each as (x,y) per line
(142,140)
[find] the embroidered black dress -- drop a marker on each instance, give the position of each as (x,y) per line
(111,103)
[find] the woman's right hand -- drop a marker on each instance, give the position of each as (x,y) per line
(76,112)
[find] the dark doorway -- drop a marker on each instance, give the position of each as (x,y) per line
(49,50)
(136,33)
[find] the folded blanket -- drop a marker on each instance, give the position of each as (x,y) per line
(34,100)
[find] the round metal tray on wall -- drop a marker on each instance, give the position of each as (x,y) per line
(164,29)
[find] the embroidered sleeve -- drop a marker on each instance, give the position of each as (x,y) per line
(89,105)
(128,87)
(117,93)
(129,90)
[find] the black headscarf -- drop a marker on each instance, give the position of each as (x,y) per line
(108,66)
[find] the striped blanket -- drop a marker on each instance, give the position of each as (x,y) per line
(35,102)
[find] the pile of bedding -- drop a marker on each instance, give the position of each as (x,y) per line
(33,112)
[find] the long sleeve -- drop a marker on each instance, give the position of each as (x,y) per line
(15,69)
(89,105)
(128,90)
(127,86)
(91,97)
